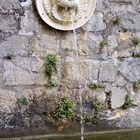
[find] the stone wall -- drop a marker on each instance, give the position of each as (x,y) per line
(108,48)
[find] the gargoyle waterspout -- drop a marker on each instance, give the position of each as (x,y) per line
(63,14)
(69,3)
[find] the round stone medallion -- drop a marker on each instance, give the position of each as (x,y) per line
(65,14)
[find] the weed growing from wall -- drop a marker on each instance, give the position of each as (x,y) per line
(94,86)
(128,102)
(136,86)
(103,43)
(136,55)
(116,21)
(50,65)
(66,108)
(99,107)
(51,84)
(23,100)
(135,41)
(50,69)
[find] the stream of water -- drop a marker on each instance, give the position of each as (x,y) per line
(129,135)
(75,52)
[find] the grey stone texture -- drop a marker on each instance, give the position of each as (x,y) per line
(117,97)
(25,41)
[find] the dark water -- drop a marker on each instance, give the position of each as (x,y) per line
(124,135)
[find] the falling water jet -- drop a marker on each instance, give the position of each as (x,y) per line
(74,47)
(81,111)
(80,87)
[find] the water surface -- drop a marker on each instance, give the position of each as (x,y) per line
(121,135)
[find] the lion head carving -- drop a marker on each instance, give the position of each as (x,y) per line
(64,11)
(69,3)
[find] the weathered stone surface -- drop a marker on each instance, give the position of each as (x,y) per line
(37,121)
(28,24)
(46,44)
(8,101)
(130,70)
(1,71)
(15,45)
(100,96)
(117,97)
(10,4)
(125,53)
(94,43)
(136,98)
(82,70)
(112,42)
(125,36)
(23,71)
(96,23)
(120,81)
(131,21)
(9,26)
(8,23)
(25,3)
(16,75)
(130,120)
(107,72)
(137,50)
(36,64)
(100,5)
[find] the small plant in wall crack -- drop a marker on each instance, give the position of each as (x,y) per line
(50,69)
(121,58)
(23,100)
(50,65)
(94,86)
(90,119)
(51,84)
(64,111)
(136,55)
(116,21)
(8,56)
(135,41)
(128,102)
(136,86)
(103,43)
(66,108)
(99,107)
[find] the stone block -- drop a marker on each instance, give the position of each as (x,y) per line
(117,97)
(7,101)
(107,72)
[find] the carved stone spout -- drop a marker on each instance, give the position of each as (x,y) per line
(69,3)
(65,14)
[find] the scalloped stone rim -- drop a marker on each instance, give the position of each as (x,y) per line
(87,15)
